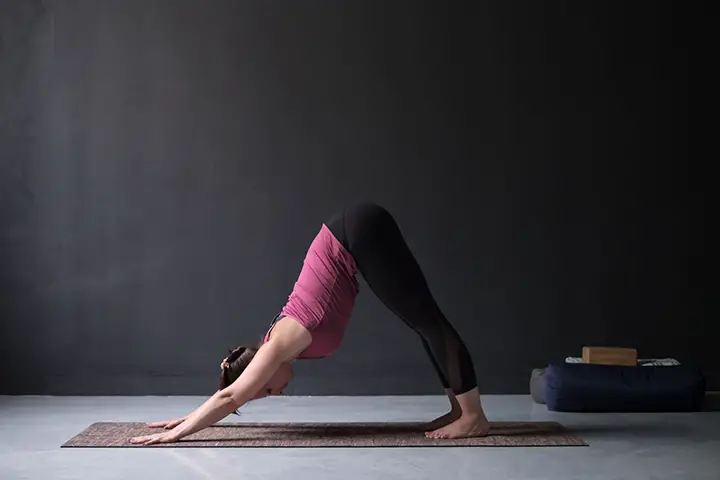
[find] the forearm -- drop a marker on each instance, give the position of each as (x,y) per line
(228,400)
(194,413)
(213,410)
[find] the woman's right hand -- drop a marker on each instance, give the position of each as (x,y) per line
(168,424)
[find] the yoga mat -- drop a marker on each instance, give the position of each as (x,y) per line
(285,435)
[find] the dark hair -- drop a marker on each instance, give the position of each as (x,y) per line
(235,363)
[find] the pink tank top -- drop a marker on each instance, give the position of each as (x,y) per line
(324,294)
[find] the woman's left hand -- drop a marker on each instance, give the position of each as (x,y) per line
(164,437)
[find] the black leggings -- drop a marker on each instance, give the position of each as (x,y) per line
(373,238)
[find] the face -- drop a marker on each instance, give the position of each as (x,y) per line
(277,383)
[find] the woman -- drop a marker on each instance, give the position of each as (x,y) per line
(362,239)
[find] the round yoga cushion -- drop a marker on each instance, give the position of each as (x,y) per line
(610,388)
(537,385)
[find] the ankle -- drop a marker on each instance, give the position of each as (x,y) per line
(473,415)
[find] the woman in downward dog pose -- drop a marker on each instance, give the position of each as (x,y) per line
(364,239)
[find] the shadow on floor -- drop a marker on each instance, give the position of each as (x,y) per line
(712,402)
(659,430)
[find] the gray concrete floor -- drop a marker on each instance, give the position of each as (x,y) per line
(622,446)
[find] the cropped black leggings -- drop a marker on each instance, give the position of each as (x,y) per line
(373,238)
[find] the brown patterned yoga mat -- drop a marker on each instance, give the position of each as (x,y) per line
(502,434)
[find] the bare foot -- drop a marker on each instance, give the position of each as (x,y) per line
(440,422)
(464,427)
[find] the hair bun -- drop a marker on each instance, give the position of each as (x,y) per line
(235,363)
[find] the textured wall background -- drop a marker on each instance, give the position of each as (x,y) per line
(165,164)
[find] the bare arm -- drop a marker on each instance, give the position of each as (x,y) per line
(170,424)
(224,402)
(288,340)
(167,424)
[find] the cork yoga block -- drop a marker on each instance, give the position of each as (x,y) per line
(610,356)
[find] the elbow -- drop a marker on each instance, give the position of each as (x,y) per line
(228,402)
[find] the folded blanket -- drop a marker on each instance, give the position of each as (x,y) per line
(642,362)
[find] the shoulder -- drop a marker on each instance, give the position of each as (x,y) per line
(290,337)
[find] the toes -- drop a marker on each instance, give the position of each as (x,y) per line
(438,434)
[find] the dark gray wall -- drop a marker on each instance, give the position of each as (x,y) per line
(165,164)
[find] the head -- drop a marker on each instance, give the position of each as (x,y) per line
(237,361)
